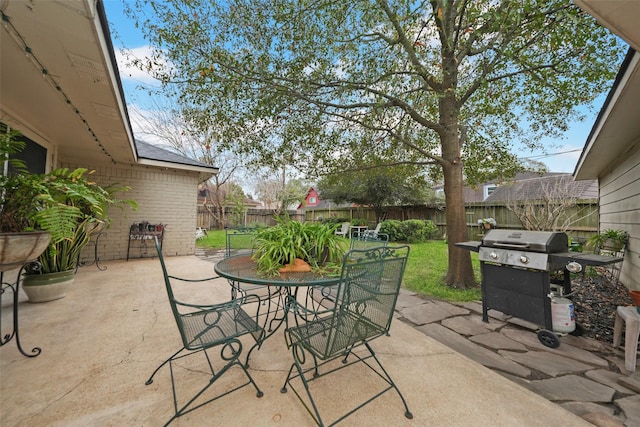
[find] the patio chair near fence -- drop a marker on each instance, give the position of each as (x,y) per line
(205,327)
(373,233)
(363,310)
(343,230)
(617,250)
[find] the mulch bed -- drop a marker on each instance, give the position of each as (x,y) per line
(595,300)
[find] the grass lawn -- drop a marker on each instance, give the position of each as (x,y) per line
(425,271)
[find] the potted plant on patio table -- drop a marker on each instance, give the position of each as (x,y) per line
(487,223)
(295,246)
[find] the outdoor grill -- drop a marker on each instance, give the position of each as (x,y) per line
(523,270)
(517,269)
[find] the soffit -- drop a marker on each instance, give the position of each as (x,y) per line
(76,104)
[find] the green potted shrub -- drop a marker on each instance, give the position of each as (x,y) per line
(19,243)
(608,240)
(65,204)
(359,222)
(72,209)
(279,247)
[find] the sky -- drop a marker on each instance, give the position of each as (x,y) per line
(561,154)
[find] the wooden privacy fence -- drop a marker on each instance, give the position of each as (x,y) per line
(250,217)
(584,214)
(584,226)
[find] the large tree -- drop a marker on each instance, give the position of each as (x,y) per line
(444,83)
(377,187)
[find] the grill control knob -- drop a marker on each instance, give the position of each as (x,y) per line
(493,255)
(524,259)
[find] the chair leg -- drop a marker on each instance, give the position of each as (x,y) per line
(617,331)
(150,380)
(631,336)
(229,353)
(300,374)
(299,360)
(407,413)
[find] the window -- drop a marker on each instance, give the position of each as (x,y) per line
(34,155)
(487,190)
(312,200)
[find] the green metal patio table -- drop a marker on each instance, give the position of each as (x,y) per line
(243,269)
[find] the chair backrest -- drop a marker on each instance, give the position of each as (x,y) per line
(377,229)
(612,247)
(344,229)
(368,241)
(366,296)
(172,299)
(202,327)
(240,241)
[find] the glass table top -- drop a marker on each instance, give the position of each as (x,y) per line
(242,268)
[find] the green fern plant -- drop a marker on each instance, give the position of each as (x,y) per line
(72,207)
(65,203)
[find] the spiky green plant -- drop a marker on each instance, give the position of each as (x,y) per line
(317,244)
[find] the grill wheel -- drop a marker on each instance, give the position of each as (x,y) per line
(548,338)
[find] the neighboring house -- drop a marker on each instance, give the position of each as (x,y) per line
(526,185)
(548,186)
(59,86)
(312,200)
(612,151)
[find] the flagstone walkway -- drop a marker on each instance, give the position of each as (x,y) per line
(583,375)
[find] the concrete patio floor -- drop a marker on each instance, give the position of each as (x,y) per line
(101,342)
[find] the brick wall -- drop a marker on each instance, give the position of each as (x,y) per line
(164,196)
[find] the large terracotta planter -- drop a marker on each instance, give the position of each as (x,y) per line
(635,297)
(17,249)
(47,287)
(299,266)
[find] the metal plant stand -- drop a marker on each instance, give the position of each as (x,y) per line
(96,259)
(6,337)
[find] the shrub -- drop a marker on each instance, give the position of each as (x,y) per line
(358,221)
(333,221)
(410,231)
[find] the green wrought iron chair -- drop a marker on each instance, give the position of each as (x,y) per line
(204,327)
(320,297)
(241,241)
(364,307)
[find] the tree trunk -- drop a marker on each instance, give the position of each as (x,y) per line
(460,272)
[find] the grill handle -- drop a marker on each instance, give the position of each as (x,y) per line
(511,245)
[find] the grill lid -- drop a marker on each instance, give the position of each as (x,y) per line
(534,241)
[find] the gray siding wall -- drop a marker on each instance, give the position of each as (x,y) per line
(620,209)
(163,196)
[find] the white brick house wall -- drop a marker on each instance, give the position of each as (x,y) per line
(166,196)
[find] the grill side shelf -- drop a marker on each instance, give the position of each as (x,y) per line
(471,245)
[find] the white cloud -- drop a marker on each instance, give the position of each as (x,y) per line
(125,59)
